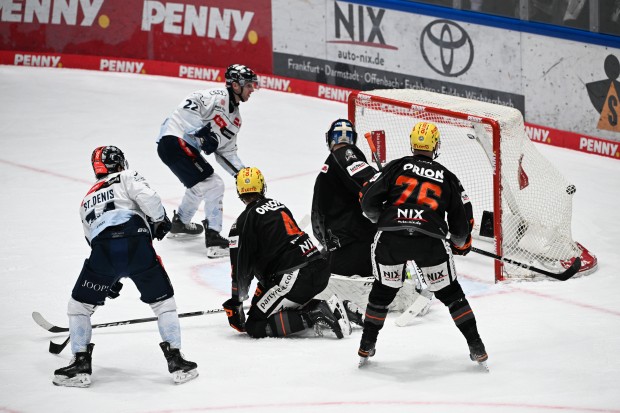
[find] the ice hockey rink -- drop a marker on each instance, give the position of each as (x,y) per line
(553,346)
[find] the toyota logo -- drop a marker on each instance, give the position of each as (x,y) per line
(447,48)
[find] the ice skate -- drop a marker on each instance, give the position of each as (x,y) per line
(179,229)
(355,314)
(478,354)
(182,370)
(217,246)
(76,374)
(318,314)
(366,350)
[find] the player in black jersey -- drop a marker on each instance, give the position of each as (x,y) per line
(337,219)
(266,243)
(409,201)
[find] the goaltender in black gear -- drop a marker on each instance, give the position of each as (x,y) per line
(423,214)
(266,243)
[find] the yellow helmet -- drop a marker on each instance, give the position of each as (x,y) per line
(424,137)
(250,181)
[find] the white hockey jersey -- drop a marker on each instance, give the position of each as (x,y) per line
(114,199)
(196,111)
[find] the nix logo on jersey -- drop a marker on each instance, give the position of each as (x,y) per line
(410,215)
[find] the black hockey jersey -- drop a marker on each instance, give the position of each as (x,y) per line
(415,193)
(266,242)
(337,219)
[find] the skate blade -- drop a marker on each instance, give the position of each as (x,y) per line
(364,361)
(180,377)
(217,252)
(79,380)
(482,365)
(182,235)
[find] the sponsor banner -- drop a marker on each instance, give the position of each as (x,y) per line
(364,47)
(570,140)
(573,86)
(222,33)
(536,133)
(362,78)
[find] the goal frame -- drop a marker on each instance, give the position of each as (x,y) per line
(496,158)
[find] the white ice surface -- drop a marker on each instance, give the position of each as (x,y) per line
(553,346)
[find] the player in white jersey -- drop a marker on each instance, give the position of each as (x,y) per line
(207,120)
(121,215)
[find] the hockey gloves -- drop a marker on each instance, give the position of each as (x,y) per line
(235,314)
(462,250)
(161,228)
(115,289)
(208,139)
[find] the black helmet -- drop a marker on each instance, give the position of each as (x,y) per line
(341,131)
(240,74)
(107,159)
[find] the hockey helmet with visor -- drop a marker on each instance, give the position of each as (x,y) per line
(240,74)
(107,159)
(341,131)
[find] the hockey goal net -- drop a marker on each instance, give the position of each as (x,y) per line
(522,205)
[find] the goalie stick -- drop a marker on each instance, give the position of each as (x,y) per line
(56,348)
(563,276)
(373,150)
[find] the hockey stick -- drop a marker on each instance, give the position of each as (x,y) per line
(227,162)
(40,320)
(55,348)
(563,276)
(373,150)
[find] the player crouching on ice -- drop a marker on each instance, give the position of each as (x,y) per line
(266,243)
(409,201)
(121,215)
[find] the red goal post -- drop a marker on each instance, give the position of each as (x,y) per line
(522,204)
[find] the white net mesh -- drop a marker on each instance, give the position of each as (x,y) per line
(534,226)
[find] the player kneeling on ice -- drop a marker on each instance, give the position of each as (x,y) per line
(340,226)
(266,243)
(121,215)
(409,201)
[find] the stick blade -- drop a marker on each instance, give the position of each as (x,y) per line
(58,348)
(572,270)
(38,318)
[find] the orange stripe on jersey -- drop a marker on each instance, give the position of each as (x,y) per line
(282,323)
(374,318)
(462,315)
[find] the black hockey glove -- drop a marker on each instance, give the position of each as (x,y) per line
(332,242)
(161,228)
(115,289)
(235,314)
(208,139)
(463,250)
